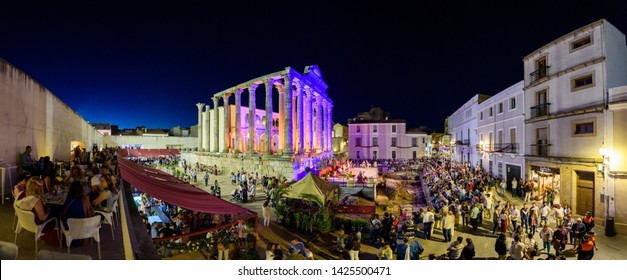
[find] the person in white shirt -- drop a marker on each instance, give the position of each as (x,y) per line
(544,214)
(427,221)
(558,214)
(503,186)
(514,216)
(514,187)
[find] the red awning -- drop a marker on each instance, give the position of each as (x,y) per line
(166,187)
(147,153)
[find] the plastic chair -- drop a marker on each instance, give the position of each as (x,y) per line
(26,220)
(8,251)
(116,212)
(108,219)
(82,229)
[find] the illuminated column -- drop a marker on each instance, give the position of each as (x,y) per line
(251,117)
(299,117)
(199,106)
(287,145)
(323,117)
(269,115)
(310,123)
(227,122)
(280,88)
(319,122)
(206,131)
(238,107)
(330,126)
(215,124)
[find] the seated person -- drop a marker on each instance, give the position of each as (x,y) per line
(105,200)
(20,188)
(33,201)
(76,205)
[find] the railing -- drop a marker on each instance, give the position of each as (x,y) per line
(539,74)
(510,148)
(540,110)
(540,150)
(465,142)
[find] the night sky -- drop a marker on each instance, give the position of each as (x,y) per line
(149,64)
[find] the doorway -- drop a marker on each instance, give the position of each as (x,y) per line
(511,172)
(585,192)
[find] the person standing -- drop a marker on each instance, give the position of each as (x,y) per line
(503,186)
(354,250)
(546,234)
(427,222)
(500,247)
(514,216)
(474,217)
(568,225)
(448,223)
(544,214)
(206,178)
(266,212)
(514,187)
(524,218)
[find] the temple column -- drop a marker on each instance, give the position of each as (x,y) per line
(227,123)
(238,107)
(319,123)
(216,132)
(269,115)
(310,127)
(206,129)
(330,127)
(299,116)
(287,145)
(251,117)
(200,106)
(323,114)
(281,123)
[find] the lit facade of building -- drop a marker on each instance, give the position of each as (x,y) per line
(567,99)
(462,127)
(501,129)
(372,135)
(340,140)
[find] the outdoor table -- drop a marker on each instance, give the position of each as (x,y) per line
(58,199)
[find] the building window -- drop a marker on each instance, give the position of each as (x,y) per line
(500,110)
(358,129)
(512,103)
(374,154)
(480,116)
(580,43)
(584,128)
(491,112)
(393,141)
(393,128)
(582,82)
(358,142)
(414,142)
(374,128)
(375,142)
(423,140)
(414,154)
(541,69)
(358,154)
(393,154)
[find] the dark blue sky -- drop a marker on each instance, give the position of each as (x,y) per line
(148,64)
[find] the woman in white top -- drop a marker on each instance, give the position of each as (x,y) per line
(106,198)
(270,252)
(33,202)
(266,212)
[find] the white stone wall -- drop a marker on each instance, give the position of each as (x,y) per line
(463,126)
(32,115)
(150,142)
(275,165)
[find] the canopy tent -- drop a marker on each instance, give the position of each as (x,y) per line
(166,187)
(312,185)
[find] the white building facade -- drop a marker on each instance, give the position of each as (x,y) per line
(501,130)
(566,89)
(462,126)
(385,139)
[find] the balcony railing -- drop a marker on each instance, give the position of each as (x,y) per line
(539,74)
(540,110)
(540,150)
(510,148)
(465,142)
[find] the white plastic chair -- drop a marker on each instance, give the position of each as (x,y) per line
(116,212)
(82,229)
(26,220)
(8,251)
(108,219)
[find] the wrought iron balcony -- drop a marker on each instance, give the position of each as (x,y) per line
(510,148)
(540,150)
(539,74)
(540,110)
(465,142)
